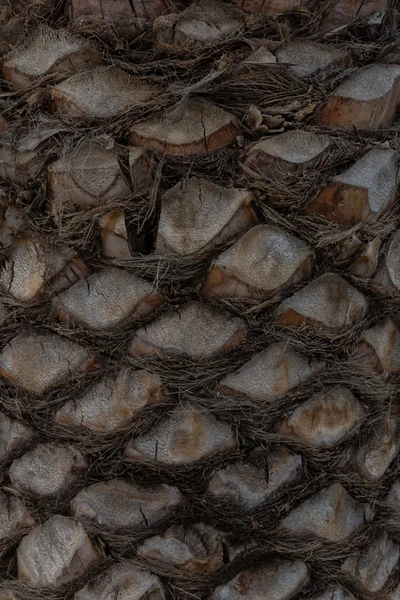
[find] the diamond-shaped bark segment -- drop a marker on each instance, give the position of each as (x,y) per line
(249,485)
(203,22)
(334,593)
(380,347)
(107,300)
(128,17)
(325,419)
(376,455)
(14,517)
(271,374)
(195,330)
(87,176)
(114,236)
(122,581)
(372,568)
(271,7)
(331,514)
(38,362)
(56,552)
(113,402)
(13,436)
(187,435)
(47,51)
(368,99)
(101,93)
(328,303)
(198,128)
(263,262)
(363,191)
(197,214)
(343,12)
(195,548)
(387,278)
(304,57)
(30,263)
(47,470)
(279,579)
(118,505)
(288,152)
(20,166)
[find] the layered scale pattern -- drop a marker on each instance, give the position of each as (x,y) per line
(199,292)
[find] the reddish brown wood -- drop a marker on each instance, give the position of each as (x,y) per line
(199,129)
(368,99)
(48,51)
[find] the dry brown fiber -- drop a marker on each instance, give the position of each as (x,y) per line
(199,291)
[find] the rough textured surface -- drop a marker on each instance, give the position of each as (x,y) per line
(22,360)
(91,191)
(48,51)
(113,401)
(48,470)
(288,152)
(367,99)
(383,445)
(119,17)
(188,434)
(365,265)
(363,191)
(203,22)
(108,299)
(305,57)
(87,176)
(271,7)
(114,235)
(282,579)
(13,436)
(30,264)
(270,374)
(373,567)
(20,166)
(328,303)
(249,485)
(325,418)
(123,581)
(393,260)
(118,504)
(56,552)
(199,128)
(196,548)
(331,514)
(264,261)
(91,94)
(196,330)
(380,346)
(262,57)
(197,214)
(14,517)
